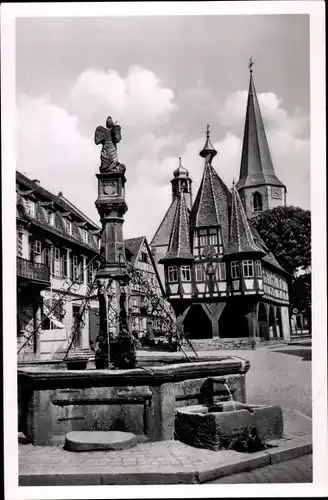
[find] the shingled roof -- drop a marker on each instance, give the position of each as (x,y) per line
(212,203)
(256,163)
(179,245)
(132,247)
(241,239)
(59,200)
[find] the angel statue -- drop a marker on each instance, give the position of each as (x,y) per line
(109,137)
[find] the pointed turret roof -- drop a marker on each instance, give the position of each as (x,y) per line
(208,150)
(256,163)
(179,246)
(241,238)
(162,235)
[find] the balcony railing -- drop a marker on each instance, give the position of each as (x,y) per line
(33,271)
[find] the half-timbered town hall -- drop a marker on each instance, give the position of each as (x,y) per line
(220,277)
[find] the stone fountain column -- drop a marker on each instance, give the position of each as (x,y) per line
(112,274)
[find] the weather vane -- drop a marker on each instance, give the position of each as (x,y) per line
(251,64)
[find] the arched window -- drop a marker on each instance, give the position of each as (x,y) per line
(257,202)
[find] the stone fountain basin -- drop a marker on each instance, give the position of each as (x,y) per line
(216,426)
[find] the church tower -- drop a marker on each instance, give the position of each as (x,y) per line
(258,186)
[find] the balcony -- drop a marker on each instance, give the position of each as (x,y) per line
(33,272)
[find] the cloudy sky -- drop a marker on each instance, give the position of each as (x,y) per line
(163,79)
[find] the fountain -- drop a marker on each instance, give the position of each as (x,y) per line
(228,424)
(119,395)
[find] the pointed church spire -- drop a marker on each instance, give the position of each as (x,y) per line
(179,245)
(256,163)
(208,152)
(241,239)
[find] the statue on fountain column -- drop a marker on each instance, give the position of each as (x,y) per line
(109,137)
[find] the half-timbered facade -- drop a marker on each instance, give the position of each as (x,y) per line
(220,277)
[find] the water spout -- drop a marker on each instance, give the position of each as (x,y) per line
(231,398)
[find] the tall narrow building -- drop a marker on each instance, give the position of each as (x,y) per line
(258,186)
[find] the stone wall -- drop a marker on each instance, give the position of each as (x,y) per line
(143,401)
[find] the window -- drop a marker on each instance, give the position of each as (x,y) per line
(257,202)
(199,273)
(85,235)
(248,268)
(234,266)
(185,273)
(173,274)
(209,237)
(222,271)
(68,226)
(91,270)
(143,257)
(258,268)
(65,264)
(75,268)
(30,207)
(50,217)
(56,264)
(47,254)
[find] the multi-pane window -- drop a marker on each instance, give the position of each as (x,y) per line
(258,268)
(172,274)
(248,268)
(185,273)
(68,226)
(135,303)
(222,271)
(209,237)
(91,272)
(30,207)
(75,268)
(234,266)
(37,251)
(199,273)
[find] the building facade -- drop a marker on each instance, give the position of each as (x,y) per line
(57,258)
(220,278)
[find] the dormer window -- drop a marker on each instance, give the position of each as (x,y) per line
(30,207)
(172,274)
(85,235)
(234,266)
(50,217)
(68,226)
(257,202)
(209,238)
(185,273)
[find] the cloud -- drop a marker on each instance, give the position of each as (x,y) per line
(138,99)
(288,137)
(55,141)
